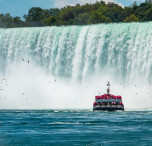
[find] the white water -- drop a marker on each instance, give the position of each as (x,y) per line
(68,66)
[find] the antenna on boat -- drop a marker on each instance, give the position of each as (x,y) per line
(108,89)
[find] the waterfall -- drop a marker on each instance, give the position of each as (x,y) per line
(89,55)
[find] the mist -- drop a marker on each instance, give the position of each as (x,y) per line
(27,86)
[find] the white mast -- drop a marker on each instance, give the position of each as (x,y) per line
(108,89)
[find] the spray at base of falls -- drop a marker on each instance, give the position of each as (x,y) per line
(29,87)
(70,65)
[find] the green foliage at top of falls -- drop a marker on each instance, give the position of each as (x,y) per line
(99,12)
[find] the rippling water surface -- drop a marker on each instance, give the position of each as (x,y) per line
(75,127)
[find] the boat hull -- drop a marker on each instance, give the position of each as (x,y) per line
(108,108)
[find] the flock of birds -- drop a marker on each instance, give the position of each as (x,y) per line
(24,60)
(3,85)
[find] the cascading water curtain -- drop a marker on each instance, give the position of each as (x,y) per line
(79,53)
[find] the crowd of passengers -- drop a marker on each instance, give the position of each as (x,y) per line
(106,96)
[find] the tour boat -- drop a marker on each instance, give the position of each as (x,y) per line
(108,102)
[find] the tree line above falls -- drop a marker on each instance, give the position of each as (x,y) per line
(100,12)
